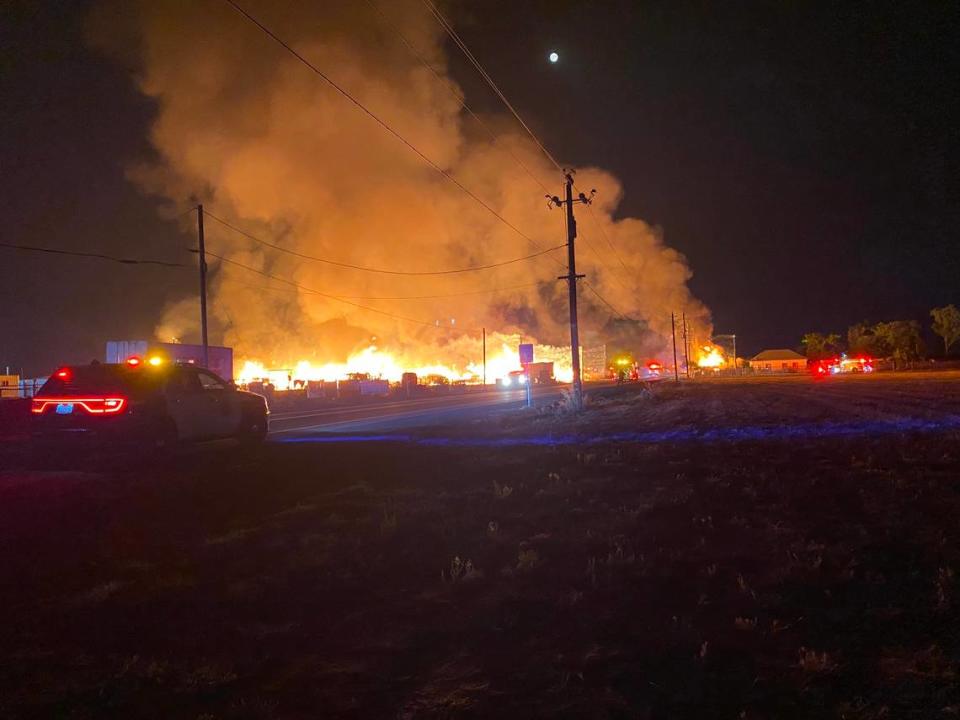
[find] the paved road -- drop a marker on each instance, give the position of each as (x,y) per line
(405,414)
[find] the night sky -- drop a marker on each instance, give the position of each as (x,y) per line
(801,155)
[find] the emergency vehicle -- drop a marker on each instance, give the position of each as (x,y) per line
(146,400)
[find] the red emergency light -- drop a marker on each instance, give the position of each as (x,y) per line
(134,361)
(63,373)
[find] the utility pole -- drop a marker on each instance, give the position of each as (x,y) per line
(484,357)
(571,277)
(686,348)
(736,368)
(203,287)
(673,332)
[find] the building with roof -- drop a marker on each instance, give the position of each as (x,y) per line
(778,361)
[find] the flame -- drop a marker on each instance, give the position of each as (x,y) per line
(710,357)
(379,363)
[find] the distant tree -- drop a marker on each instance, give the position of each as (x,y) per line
(819,346)
(900,339)
(862,341)
(946,324)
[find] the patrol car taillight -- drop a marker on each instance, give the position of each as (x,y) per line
(90,405)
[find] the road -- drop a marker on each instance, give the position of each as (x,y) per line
(405,414)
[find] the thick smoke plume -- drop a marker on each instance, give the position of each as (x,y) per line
(267,145)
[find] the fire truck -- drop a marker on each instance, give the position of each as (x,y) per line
(841,365)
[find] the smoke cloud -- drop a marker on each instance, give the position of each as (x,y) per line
(265,144)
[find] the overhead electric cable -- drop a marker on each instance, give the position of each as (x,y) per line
(445,24)
(490,291)
(98,256)
(448,27)
(380,121)
(607,238)
(606,302)
(318,292)
(382,271)
(453,91)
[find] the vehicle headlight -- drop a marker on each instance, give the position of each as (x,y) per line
(505,382)
(522,379)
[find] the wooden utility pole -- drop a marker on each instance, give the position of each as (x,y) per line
(686,347)
(203,287)
(673,332)
(571,277)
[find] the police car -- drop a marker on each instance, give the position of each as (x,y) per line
(153,401)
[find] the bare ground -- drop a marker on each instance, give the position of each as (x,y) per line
(789,551)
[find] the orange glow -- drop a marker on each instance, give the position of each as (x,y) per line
(710,357)
(378,363)
(156,360)
(93,406)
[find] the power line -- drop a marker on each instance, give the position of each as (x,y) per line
(379,121)
(469,293)
(403,297)
(603,264)
(98,256)
(607,238)
(185,212)
(606,302)
(453,91)
(444,23)
(449,29)
(317,292)
(382,271)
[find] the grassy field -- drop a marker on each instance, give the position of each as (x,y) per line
(732,549)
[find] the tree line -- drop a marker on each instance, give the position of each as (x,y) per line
(897,339)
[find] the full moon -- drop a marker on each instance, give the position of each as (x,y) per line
(554,57)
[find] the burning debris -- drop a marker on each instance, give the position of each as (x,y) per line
(710,357)
(378,363)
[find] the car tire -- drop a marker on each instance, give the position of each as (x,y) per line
(253,430)
(166,436)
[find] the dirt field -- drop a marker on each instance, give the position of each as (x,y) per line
(729,549)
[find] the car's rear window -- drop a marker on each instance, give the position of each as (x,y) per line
(101,379)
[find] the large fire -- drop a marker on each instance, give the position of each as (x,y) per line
(386,217)
(710,357)
(379,363)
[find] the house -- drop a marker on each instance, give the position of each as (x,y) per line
(779,361)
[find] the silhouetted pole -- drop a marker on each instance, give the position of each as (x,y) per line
(572,283)
(686,348)
(484,356)
(571,277)
(736,368)
(203,287)
(673,332)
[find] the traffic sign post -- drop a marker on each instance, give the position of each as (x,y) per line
(526,354)
(526,359)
